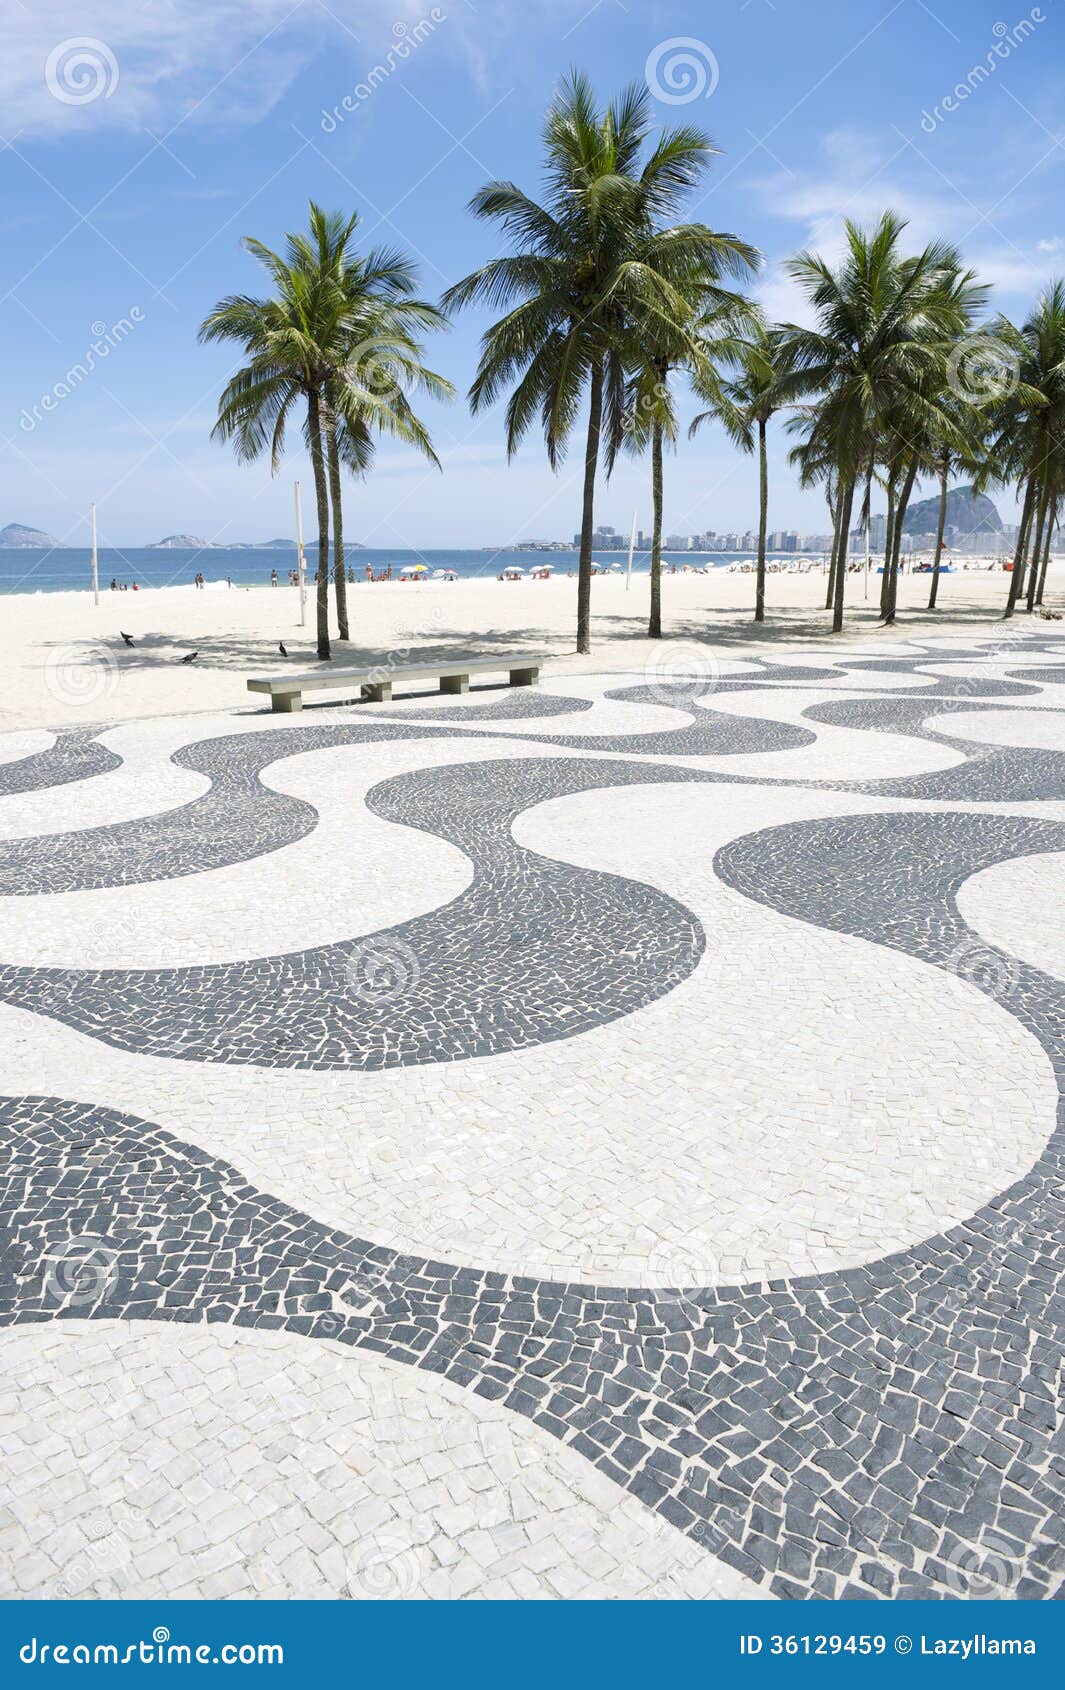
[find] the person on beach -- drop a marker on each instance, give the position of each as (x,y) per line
(273,577)
(114,585)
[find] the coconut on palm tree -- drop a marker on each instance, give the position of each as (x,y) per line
(589,270)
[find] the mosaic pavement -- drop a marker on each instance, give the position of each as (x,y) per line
(604,1141)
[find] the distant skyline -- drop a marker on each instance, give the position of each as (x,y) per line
(122,215)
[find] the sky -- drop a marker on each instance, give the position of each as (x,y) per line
(141,139)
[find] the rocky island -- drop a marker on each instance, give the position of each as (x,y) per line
(16,536)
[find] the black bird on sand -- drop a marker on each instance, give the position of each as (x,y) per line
(281,648)
(190,657)
(127,637)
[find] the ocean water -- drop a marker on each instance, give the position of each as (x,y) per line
(63,569)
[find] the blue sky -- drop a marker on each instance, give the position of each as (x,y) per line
(209,120)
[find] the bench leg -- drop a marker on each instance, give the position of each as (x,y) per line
(524,677)
(378,692)
(454,683)
(286,702)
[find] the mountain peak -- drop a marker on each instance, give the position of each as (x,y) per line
(967,513)
(30,538)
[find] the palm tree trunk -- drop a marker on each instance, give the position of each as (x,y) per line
(591,460)
(336,496)
(1037,551)
(321,494)
(830,590)
(1046,552)
(654,626)
(889,543)
(896,544)
(846,502)
(1022,547)
(763,512)
(940,526)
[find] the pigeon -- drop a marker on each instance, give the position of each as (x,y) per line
(281,648)
(127,637)
(190,657)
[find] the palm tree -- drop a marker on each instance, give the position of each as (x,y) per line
(377,359)
(765,381)
(373,356)
(341,334)
(1027,440)
(286,340)
(591,265)
(707,338)
(883,324)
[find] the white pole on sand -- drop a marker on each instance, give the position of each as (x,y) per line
(632,547)
(301,568)
(95,561)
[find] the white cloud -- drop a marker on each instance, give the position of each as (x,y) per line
(70,66)
(860,179)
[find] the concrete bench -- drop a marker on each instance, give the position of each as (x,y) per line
(286,691)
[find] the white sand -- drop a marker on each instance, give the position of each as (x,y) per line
(64,662)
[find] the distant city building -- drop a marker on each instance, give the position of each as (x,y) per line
(605,537)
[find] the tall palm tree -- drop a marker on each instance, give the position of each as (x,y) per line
(765,381)
(590,263)
(883,322)
(707,339)
(1027,443)
(340,335)
(376,358)
(286,340)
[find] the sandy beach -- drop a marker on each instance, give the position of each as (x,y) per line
(65,661)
